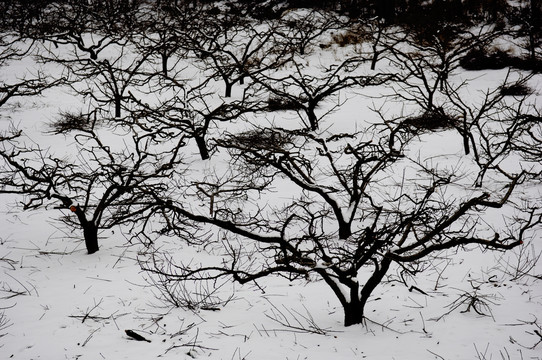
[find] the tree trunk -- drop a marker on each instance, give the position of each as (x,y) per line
(164,64)
(374,60)
(371,284)
(352,306)
(228,89)
(466,146)
(117,106)
(353,312)
(344,230)
(90,232)
(465,134)
(202,147)
(313,120)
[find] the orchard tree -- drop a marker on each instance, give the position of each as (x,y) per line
(108,81)
(353,214)
(165,32)
(12,49)
(102,183)
(428,57)
(428,60)
(190,110)
(91,41)
(304,91)
(527,16)
(303,28)
(89,27)
(359,204)
(232,52)
(472,120)
(378,32)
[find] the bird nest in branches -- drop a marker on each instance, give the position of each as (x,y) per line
(516,90)
(278,103)
(431,120)
(264,139)
(71,122)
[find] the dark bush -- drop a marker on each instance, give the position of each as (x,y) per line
(516,90)
(71,122)
(481,59)
(277,103)
(267,139)
(431,120)
(347,38)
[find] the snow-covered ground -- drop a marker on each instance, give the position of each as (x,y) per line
(60,303)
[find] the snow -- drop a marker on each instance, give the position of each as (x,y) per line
(49,321)
(57,302)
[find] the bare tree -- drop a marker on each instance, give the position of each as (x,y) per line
(190,110)
(88,27)
(305,92)
(474,119)
(165,32)
(303,27)
(232,52)
(528,16)
(354,213)
(428,58)
(106,81)
(91,40)
(104,185)
(13,48)
(377,34)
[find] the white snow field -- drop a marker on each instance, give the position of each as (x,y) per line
(58,302)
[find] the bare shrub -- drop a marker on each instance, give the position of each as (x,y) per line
(482,58)
(5,323)
(474,300)
(261,139)
(520,263)
(194,295)
(347,38)
(68,122)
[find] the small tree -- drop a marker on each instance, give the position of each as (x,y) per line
(13,48)
(109,80)
(528,17)
(88,27)
(429,57)
(306,92)
(474,120)
(233,52)
(302,28)
(104,185)
(164,32)
(427,60)
(190,110)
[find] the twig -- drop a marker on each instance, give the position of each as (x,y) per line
(305,323)
(423,323)
(90,336)
(417,289)
(96,278)
(20,283)
(435,354)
